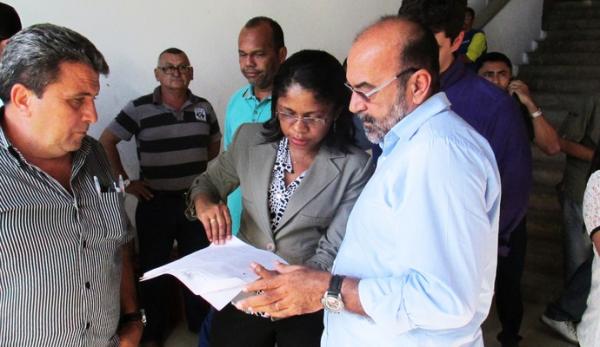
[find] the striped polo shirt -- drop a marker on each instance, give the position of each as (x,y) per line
(171,144)
(60,252)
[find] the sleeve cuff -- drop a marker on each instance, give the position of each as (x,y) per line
(383,301)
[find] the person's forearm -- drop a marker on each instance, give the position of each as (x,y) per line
(109,142)
(545,136)
(351,297)
(128,288)
(213,149)
(576,150)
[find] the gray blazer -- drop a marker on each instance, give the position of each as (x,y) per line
(314,222)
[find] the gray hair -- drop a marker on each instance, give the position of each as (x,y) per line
(33,57)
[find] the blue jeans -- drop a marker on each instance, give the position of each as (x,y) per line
(578,255)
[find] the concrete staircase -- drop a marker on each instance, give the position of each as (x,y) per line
(564,69)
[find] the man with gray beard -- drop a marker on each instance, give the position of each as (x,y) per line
(421,273)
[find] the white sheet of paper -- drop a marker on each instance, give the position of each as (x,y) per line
(219,272)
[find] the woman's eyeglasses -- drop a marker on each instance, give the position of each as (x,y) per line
(309,121)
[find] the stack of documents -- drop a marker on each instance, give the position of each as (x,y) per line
(218,273)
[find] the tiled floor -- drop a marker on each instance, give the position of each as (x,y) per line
(534,333)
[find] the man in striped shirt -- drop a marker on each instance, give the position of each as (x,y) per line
(66,276)
(176,134)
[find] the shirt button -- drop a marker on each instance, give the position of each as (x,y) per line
(270,246)
(87,325)
(87,285)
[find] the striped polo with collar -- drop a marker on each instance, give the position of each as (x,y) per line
(171,145)
(60,252)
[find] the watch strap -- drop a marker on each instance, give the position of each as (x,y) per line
(138,316)
(335,285)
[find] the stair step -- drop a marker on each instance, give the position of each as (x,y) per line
(545,232)
(544,202)
(568,5)
(566,23)
(574,13)
(566,85)
(532,72)
(581,46)
(565,58)
(540,288)
(574,35)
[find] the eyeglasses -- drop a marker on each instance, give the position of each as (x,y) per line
(170,69)
(366,96)
(310,121)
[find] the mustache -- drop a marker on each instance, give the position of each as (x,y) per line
(366,118)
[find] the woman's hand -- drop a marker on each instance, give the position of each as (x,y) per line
(215,217)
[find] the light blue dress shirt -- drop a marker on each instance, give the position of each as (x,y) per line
(422,237)
(243,107)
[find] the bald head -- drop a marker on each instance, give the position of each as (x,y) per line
(396,43)
(392,69)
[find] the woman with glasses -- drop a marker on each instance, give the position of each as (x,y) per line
(300,175)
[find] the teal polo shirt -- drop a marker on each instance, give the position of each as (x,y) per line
(243,107)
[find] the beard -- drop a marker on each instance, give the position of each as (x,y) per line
(375,129)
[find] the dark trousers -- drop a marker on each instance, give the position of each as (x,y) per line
(160,221)
(232,327)
(509,302)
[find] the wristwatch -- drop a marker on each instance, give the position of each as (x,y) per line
(139,316)
(332,299)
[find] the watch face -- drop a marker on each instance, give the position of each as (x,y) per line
(333,303)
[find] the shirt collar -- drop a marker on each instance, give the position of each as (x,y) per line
(157,96)
(454,73)
(248,94)
(410,124)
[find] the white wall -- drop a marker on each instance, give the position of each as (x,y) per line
(514,28)
(131,34)
(477,5)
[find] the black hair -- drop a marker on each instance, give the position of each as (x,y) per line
(33,57)
(10,23)
(493,57)
(470,11)
(171,50)
(447,16)
(421,50)
(276,30)
(322,74)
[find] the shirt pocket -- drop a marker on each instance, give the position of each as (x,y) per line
(112,214)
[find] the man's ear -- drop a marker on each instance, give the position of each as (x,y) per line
(21,98)
(282,54)
(457,41)
(3,44)
(420,86)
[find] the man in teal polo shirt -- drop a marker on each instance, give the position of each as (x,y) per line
(261,50)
